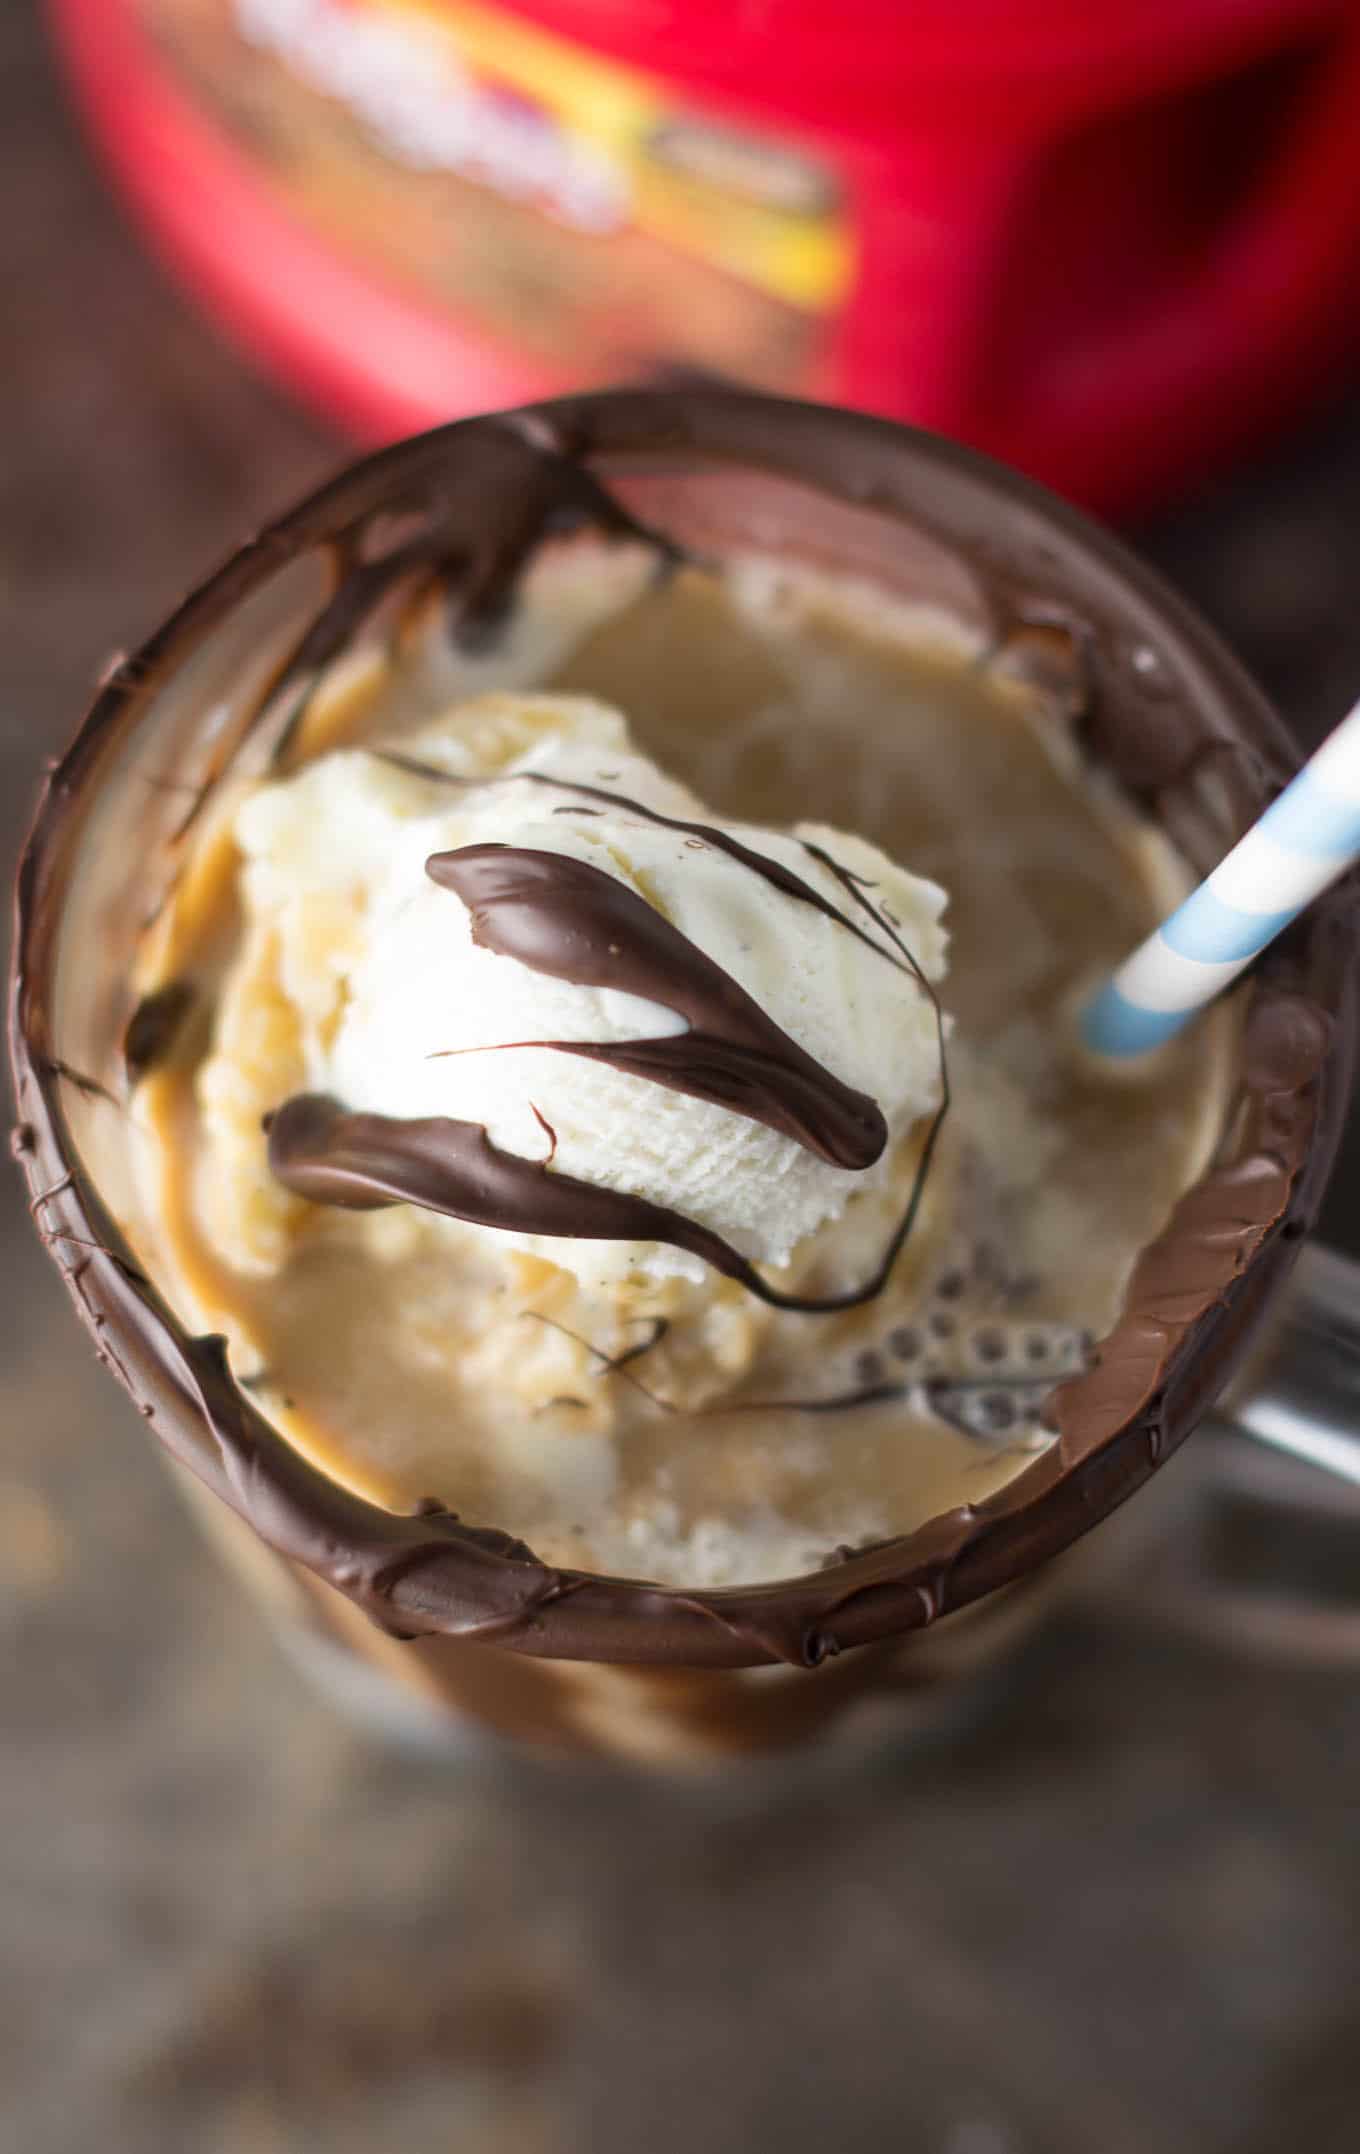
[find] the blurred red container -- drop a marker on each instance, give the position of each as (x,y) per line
(1110,245)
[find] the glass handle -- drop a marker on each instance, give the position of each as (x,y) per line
(1254,1547)
(1303,1396)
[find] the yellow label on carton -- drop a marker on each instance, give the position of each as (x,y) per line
(586,213)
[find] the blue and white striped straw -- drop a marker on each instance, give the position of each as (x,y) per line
(1305,839)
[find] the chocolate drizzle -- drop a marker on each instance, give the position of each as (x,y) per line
(571,921)
(771,871)
(361,1162)
(1196,1293)
(154,1027)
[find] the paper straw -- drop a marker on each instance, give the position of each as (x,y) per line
(1305,839)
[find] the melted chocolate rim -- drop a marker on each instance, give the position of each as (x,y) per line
(1196,1292)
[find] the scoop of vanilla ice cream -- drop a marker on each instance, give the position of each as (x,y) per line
(401,1013)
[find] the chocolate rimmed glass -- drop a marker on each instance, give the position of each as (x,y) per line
(465,1614)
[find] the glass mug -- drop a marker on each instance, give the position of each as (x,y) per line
(426,1624)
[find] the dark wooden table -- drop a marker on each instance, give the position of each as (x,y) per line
(1120,1916)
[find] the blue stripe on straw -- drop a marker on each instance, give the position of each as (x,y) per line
(1312,834)
(1307,819)
(1206,928)
(1112,1025)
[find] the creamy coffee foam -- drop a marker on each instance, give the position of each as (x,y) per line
(625,1403)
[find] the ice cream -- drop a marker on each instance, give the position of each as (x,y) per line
(376,884)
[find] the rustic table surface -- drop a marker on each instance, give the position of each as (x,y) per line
(1124,1917)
